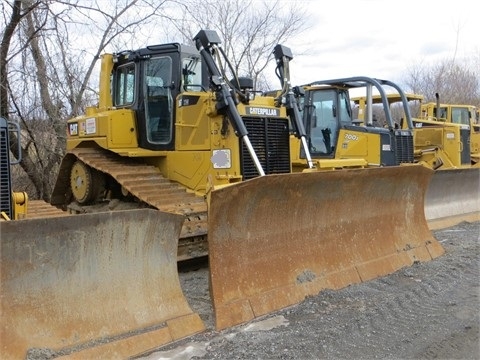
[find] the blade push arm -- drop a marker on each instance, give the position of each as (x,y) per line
(207,42)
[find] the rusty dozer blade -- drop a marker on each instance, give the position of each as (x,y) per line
(453,196)
(101,285)
(276,239)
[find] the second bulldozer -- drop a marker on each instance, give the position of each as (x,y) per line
(336,139)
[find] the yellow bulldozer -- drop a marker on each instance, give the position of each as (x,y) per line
(179,160)
(338,138)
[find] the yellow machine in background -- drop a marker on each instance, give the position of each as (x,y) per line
(335,140)
(441,145)
(439,142)
(466,116)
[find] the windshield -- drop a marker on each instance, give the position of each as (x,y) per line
(461,116)
(330,109)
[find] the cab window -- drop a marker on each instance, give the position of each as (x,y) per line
(460,116)
(192,74)
(158,99)
(324,124)
(124,86)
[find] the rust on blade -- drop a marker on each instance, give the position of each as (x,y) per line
(74,282)
(275,239)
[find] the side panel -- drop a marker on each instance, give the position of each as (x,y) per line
(192,125)
(475,142)
(276,239)
(72,283)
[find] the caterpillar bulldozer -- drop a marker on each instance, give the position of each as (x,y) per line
(337,140)
(336,136)
(177,161)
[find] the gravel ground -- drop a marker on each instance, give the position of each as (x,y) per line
(427,311)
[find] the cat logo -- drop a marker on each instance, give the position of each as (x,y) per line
(261,111)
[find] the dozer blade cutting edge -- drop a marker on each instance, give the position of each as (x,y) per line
(101,285)
(276,239)
(453,196)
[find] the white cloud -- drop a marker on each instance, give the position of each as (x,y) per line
(381,38)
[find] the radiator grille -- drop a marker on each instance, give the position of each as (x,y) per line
(404,147)
(5,186)
(270,140)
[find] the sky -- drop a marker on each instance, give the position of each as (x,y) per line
(377,38)
(381,38)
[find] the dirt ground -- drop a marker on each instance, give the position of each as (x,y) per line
(427,311)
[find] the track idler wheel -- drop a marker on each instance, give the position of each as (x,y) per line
(87,184)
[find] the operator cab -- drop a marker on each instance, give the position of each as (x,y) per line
(333,133)
(325,112)
(148,82)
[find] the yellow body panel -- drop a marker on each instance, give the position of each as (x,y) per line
(356,149)
(459,114)
(198,134)
(439,142)
(112,129)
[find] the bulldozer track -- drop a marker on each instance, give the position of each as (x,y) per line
(146,183)
(38,209)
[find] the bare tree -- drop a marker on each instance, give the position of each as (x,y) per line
(49,52)
(249,30)
(457,81)
(46,68)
